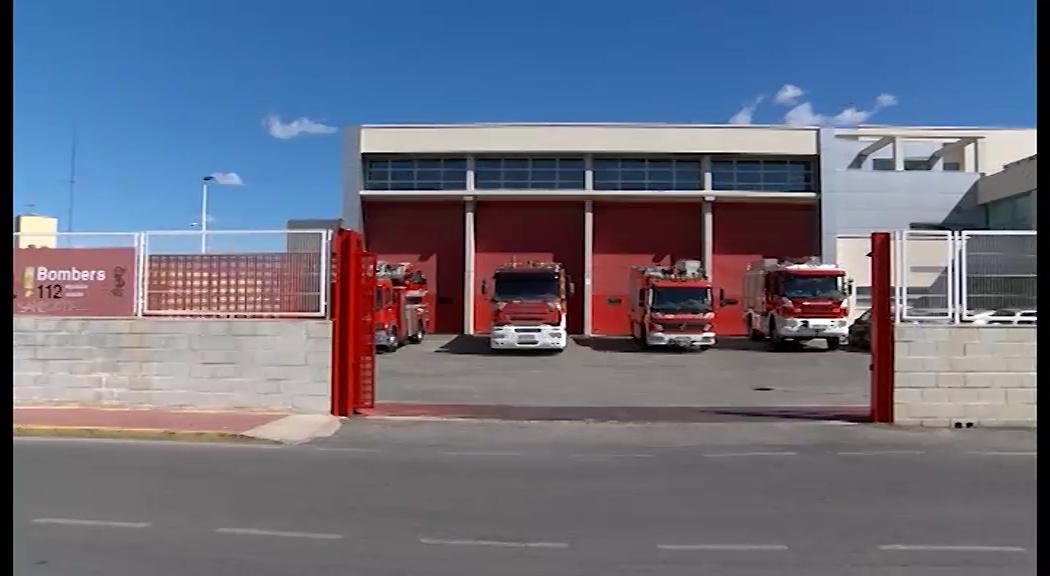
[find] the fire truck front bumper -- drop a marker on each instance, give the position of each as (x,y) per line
(802,328)
(527,337)
(385,339)
(692,341)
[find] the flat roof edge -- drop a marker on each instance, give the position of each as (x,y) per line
(682,125)
(589,125)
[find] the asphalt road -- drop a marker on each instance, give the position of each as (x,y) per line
(492,499)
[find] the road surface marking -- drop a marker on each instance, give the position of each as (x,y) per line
(936,548)
(279,533)
(467,453)
(725,547)
(882,453)
(492,543)
(101,523)
(748,454)
(1002,453)
(610,455)
(347,449)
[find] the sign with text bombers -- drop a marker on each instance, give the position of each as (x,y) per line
(74,281)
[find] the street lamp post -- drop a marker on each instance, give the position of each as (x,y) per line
(204,213)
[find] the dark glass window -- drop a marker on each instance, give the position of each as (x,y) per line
(416,174)
(646,174)
(529,174)
(766,175)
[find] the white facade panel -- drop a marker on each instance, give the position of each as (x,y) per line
(1018,178)
(589,138)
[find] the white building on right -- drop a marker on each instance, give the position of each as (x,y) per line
(1007,198)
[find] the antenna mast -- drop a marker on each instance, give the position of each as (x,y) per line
(72,179)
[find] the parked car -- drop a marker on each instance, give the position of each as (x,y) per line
(859,334)
(1009,316)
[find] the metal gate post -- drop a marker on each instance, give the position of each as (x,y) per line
(362,350)
(882,326)
(342,323)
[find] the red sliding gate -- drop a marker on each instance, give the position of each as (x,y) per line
(353,333)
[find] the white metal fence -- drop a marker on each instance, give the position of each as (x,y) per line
(227,273)
(973,276)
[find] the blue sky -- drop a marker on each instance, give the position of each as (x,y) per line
(166,92)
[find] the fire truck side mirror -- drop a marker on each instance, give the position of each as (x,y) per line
(723,301)
(849,286)
(484,287)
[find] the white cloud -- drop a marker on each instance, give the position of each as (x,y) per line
(227,178)
(804,114)
(746,114)
(293,128)
(885,100)
(788,94)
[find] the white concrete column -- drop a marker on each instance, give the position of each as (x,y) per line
(469,206)
(706,181)
(709,234)
(898,154)
(588,174)
(470,172)
(588,264)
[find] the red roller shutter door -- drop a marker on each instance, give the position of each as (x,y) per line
(549,231)
(745,232)
(626,234)
(431,235)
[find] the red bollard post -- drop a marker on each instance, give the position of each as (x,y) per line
(882,330)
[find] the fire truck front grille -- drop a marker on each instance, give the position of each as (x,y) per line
(684,326)
(820,312)
(526,318)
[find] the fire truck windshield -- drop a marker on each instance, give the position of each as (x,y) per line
(688,299)
(799,286)
(526,286)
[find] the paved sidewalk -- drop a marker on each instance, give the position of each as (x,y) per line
(153,423)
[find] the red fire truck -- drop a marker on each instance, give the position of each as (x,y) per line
(797,300)
(674,306)
(528,305)
(400,308)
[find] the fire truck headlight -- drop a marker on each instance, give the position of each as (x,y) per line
(501,305)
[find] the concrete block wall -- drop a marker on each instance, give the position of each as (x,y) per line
(280,365)
(984,376)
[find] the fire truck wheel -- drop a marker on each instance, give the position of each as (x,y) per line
(753,334)
(775,343)
(833,344)
(417,338)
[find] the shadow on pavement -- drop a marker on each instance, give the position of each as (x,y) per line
(626,345)
(624,414)
(473,345)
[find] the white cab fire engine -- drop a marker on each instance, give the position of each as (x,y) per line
(797,300)
(528,306)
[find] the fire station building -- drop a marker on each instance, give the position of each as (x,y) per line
(459,200)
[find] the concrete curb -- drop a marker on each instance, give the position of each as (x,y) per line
(137,434)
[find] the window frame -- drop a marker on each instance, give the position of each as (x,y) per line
(530,172)
(432,173)
(757,169)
